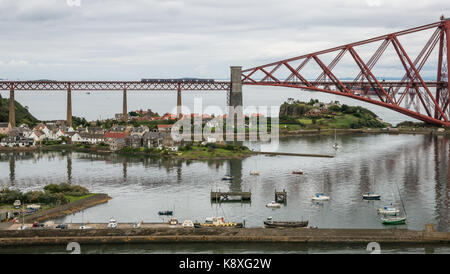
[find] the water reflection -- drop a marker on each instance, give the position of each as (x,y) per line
(413,168)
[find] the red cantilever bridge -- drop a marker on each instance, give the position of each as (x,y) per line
(413,95)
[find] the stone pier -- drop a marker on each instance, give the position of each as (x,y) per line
(12,111)
(235,111)
(125,111)
(69,106)
(236,86)
(179,102)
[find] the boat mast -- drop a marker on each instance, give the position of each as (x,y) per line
(401,200)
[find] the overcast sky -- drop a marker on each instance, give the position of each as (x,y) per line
(129,40)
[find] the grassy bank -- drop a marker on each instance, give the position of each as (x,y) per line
(51,196)
(193,152)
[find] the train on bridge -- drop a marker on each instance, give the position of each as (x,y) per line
(179,80)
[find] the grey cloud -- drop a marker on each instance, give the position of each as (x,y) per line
(133,39)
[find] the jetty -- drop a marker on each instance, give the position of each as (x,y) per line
(232,195)
(293,154)
(281,196)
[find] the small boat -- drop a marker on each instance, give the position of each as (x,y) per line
(217,222)
(371,196)
(254,172)
(112,223)
(167,212)
(16,204)
(273,204)
(227,178)
(297,172)
(173,221)
(335,145)
(393,220)
(269,223)
(85,227)
(320,197)
(187,223)
(388,210)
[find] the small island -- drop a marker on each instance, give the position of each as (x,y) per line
(296,115)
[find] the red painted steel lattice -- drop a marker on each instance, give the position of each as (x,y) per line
(112,85)
(411,96)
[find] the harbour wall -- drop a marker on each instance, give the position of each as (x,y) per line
(218,235)
(70,208)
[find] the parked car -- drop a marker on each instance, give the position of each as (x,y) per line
(35,224)
(62,226)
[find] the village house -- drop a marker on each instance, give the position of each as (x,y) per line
(5,128)
(97,130)
(16,141)
(164,128)
(169,116)
(118,128)
(153,139)
(115,140)
(90,138)
(75,137)
(37,135)
(134,141)
(140,131)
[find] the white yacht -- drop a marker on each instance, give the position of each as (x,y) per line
(273,204)
(112,223)
(320,197)
(388,210)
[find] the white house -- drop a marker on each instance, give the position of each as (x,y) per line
(37,135)
(76,138)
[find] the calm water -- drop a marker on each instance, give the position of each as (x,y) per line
(414,166)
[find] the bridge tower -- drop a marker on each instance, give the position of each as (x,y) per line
(124,110)
(69,106)
(179,101)
(235,112)
(12,111)
(443,75)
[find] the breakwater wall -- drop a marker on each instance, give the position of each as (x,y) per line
(70,208)
(218,235)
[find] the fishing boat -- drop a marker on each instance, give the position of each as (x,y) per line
(269,223)
(167,212)
(227,178)
(388,210)
(112,223)
(393,220)
(254,172)
(273,204)
(371,196)
(297,172)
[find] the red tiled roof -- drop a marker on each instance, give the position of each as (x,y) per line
(116,135)
(164,126)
